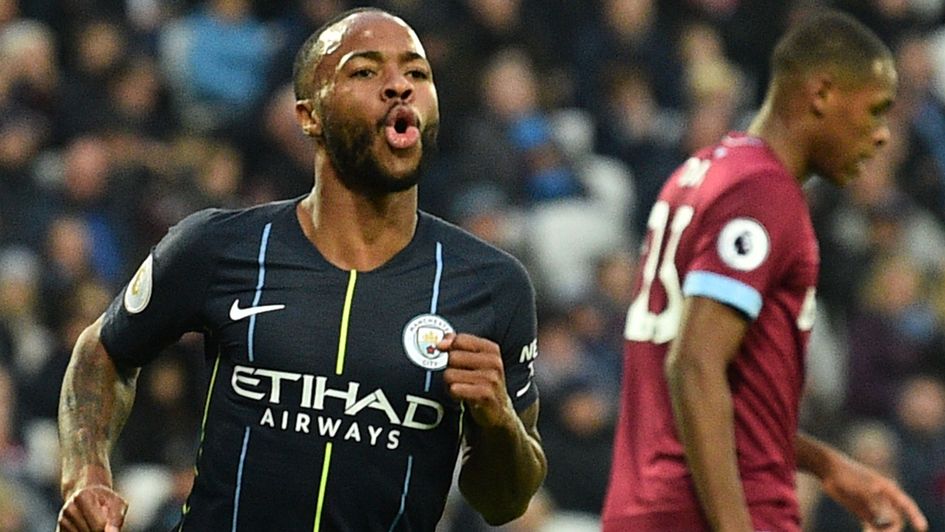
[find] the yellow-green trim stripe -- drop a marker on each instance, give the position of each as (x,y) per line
(321,489)
(206,406)
(345,314)
(339,369)
(203,425)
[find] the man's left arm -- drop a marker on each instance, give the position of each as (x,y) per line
(875,499)
(503,462)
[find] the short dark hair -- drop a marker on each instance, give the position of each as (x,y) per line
(306,57)
(828,38)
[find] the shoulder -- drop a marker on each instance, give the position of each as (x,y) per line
(218,222)
(202,237)
(752,175)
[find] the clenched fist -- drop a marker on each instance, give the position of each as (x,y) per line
(94,508)
(475,375)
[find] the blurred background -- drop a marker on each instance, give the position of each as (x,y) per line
(560,121)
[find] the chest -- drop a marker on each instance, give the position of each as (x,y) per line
(288,315)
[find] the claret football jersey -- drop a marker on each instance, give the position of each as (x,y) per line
(326,407)
(730,224)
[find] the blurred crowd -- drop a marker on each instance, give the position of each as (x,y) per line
(559,122)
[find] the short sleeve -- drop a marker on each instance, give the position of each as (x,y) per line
(164,299)
(517,322)
(745,240)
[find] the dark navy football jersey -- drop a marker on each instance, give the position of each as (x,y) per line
(326,407)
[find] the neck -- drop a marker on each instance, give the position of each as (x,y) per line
(784,136)
(355,232)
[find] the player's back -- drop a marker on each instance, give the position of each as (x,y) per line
(730,224)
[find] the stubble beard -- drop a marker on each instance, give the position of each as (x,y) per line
(350,148)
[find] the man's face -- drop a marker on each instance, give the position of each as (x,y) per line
(377,103)
(855,125)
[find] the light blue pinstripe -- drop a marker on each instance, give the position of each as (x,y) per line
(436,278)
(433,304)
(239,479)
(403,496)
(250,341)
(436,298)
(259,284)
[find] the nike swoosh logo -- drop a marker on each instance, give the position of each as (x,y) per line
(237,313)
(523,390)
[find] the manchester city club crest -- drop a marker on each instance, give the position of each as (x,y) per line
(421,334)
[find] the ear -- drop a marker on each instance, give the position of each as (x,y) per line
(308,118)
(820,90)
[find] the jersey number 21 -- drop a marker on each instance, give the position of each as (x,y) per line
(644,325)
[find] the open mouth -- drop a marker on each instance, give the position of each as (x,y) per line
(401,128)
(401,125)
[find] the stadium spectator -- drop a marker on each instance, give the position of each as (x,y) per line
(895,334)
(921,425)
(217,60)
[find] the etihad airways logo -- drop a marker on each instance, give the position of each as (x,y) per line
(269,386)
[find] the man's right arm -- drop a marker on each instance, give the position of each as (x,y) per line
(94,404)
(710,335)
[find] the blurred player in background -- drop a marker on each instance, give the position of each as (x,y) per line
(356,342)
(725,301)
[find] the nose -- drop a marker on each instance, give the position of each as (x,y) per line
(881,136)
(398,87)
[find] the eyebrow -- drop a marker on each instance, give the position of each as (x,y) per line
(377,56)
(885,105)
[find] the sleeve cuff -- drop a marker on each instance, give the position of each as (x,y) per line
(724,290)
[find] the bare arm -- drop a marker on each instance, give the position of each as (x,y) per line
(876,500)
(709,339)
(94,403)
(504,463)
(504,467)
